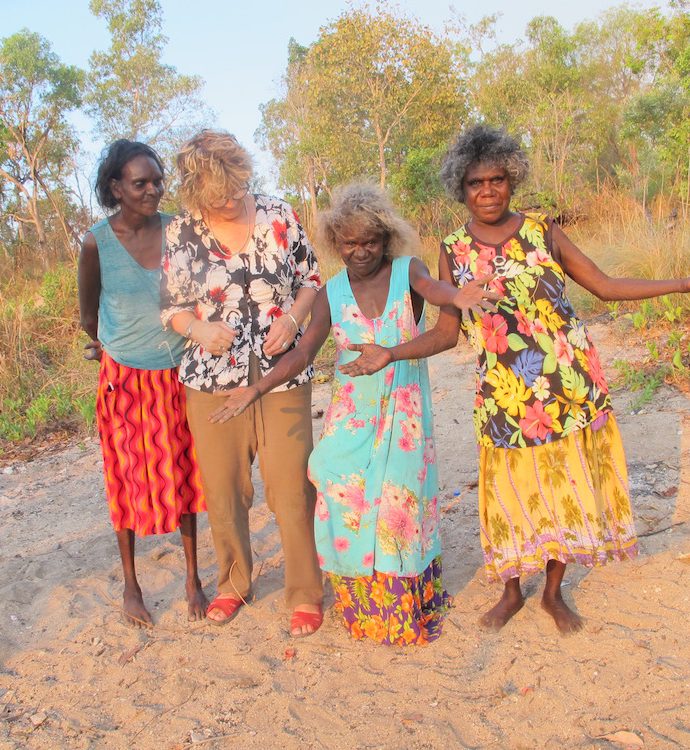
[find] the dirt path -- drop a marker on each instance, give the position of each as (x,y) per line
(72,675)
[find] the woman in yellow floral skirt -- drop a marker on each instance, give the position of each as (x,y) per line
(553,485)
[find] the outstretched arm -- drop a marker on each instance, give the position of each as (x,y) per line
(472,296)
(290,364)
(444,335)
(587,274)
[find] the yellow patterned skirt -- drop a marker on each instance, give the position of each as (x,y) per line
(567,500)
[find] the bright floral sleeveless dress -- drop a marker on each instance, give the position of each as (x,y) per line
(377,518)
(552,473)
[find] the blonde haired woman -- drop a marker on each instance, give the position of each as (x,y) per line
(239,279)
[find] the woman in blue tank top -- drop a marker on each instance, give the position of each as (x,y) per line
(151,479)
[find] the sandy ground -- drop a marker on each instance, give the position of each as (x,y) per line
(73,675)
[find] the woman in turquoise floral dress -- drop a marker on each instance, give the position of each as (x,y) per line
(377,516)
(552,476)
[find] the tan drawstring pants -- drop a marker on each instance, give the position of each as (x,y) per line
(278,428)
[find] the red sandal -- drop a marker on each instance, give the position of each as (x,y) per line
(229,607)
(300,618)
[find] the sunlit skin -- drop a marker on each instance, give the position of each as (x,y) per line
(139,190)
(137,226)
(487,197)
(362,250)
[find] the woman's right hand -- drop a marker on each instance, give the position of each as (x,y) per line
(93,351)
(216,337)
(236,401)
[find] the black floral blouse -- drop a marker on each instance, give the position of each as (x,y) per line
(247,290)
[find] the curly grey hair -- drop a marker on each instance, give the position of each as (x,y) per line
(369,206)
(482,145)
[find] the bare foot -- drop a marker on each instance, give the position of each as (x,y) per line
(566,620)
(509,604)
(230,606)
(135,612)
(197,603)
(308,624)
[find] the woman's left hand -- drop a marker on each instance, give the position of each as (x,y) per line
(475,297)
(280,335)
(373,358)
(236,401)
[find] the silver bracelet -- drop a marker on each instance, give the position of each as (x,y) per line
(188,329)
(292,318)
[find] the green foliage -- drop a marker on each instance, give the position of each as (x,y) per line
(374,85)
(131,92)
(417,180)
(614,309)
(45,384)
(656,121)
(607,102)
(641,318)
(37,145)
(645,381)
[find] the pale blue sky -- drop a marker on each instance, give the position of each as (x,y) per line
(240,48)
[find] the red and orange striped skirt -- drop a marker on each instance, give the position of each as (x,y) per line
(151,475)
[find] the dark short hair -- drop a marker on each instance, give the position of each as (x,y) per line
(113,160)
(482,144)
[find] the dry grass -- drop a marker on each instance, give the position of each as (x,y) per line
(630,244)
(45,385)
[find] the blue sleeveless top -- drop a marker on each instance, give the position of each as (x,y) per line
(129,316)
(374,467)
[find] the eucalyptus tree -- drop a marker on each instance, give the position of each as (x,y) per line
(131,93)
(374,86)
(37,144)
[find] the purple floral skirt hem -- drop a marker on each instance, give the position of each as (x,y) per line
(392,610)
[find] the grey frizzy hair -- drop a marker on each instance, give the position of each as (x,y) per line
(482,145)
(369,204)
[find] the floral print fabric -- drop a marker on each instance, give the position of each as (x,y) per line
(538,374)
(552,474)
(566,500)
(247,290)
(391,610)
(375,467)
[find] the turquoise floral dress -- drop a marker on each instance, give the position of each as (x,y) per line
(377,517)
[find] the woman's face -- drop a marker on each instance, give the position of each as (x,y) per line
(230,208)
(140,187)
(362,249)
(487,192)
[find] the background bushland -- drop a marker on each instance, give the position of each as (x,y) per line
(603,110)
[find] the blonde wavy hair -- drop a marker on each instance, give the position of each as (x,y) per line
(212,166)
(370,207)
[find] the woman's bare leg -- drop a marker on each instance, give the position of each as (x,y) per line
(566,620)
(132,601)
(197,602)
(509,604)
